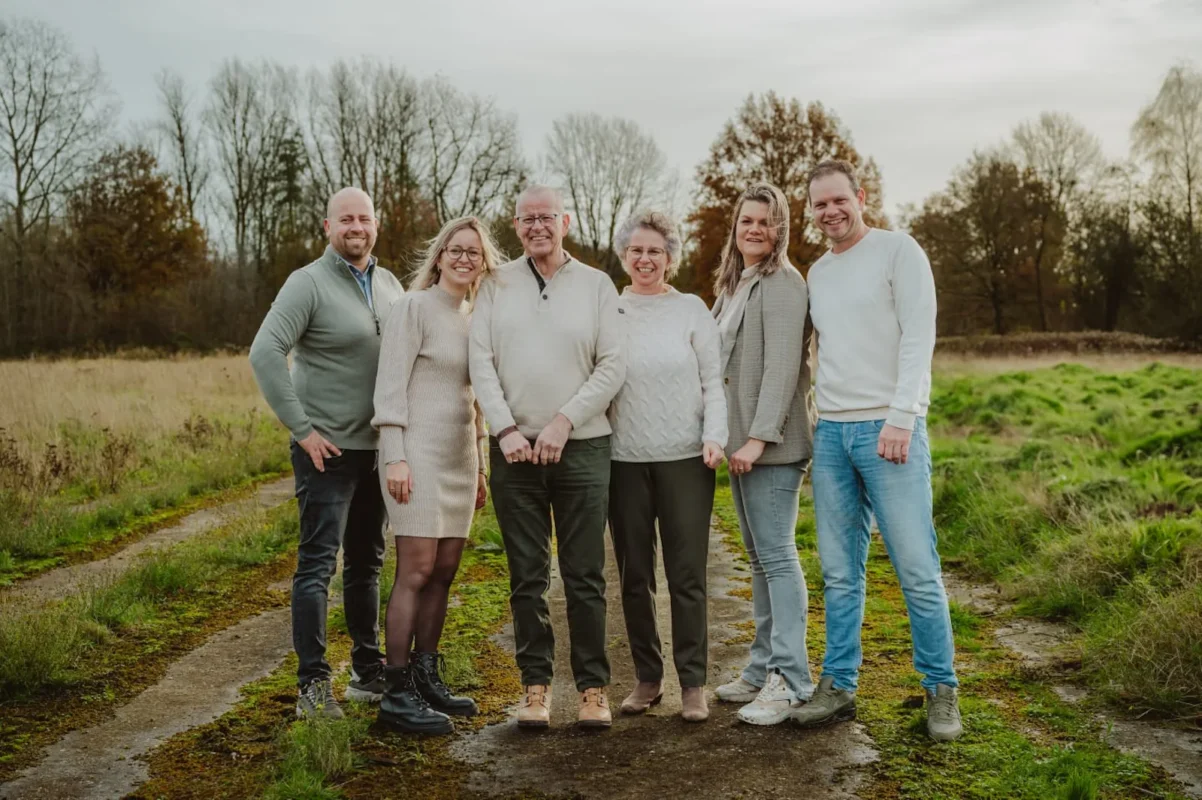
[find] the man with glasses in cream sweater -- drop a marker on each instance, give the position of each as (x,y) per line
(546,360)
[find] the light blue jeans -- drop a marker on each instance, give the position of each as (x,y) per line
(766,502)
(851,484)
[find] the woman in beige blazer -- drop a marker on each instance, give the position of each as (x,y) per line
(761,312)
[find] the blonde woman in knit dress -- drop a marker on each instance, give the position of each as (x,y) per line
(669,427)
(431,467)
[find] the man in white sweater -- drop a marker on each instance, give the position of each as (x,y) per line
(872,301)
(546,359)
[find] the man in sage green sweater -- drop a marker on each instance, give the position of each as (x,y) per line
(329,315)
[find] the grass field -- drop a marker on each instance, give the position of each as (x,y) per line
(1078,489)
(1075,486)
(90,451)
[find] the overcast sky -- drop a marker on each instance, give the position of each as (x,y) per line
(919,83)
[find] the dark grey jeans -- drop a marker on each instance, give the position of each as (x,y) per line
(339,507)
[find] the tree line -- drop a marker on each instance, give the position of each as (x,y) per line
(179,233)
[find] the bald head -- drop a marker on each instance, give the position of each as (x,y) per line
(350,225)
(350,196)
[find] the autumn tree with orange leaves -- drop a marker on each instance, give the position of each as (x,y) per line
(777,140)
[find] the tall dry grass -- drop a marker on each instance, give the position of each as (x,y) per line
(91,447)
(152,397)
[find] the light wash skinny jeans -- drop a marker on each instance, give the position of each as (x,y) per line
(851,484)
(766,501)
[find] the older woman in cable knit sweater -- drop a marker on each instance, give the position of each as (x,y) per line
(431,466)
(669,428)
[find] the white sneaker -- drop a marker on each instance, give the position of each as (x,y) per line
(737,691)
(773,704)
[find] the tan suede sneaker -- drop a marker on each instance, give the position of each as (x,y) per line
(535,709)
(594,709)
(645,695)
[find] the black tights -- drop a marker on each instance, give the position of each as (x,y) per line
(417,607)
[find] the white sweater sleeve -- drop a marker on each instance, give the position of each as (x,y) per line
(399,347)
(706,345)
(609,365)
(482,364)
(914,301)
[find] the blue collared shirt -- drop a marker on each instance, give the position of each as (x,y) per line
(362,278)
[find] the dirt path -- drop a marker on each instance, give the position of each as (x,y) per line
(658,755)
(60,582)
(1041,645)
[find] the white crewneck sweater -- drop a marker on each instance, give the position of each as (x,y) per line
(672,400)
(873,308)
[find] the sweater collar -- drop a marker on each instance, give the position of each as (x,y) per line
(446,298)
(354,271)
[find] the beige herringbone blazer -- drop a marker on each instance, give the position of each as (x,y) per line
(767,379)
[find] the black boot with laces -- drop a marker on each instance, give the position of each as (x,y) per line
(404,709)
(426,669)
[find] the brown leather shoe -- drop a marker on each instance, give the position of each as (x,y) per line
(645,695)
(535,709)
(693,705)
(594,709)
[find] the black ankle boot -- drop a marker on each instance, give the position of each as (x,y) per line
(429,683)
(404,709)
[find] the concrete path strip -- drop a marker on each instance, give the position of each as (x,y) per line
(1176,748)
(63,581)
(102,761)
(658,755)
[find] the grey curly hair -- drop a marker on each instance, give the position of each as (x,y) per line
(656,221)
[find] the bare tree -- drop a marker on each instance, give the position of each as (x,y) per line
(472,154)
(1167,136)
(251,117)
(180,130)
(610,168)
(55,109)
(1065,157)
(365,129)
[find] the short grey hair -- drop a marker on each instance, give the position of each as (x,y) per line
(539,188)
(656,221)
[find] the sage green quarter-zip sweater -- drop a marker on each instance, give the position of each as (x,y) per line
(322,317)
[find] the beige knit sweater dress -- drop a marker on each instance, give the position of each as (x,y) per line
(427,414)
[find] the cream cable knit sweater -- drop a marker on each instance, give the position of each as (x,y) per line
(672,399)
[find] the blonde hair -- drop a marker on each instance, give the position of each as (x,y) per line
(732,266)
(428,272)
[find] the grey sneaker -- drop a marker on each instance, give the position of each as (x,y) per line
(827,705)
(943,714)
(316,699)
(737,691)
(367,687)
